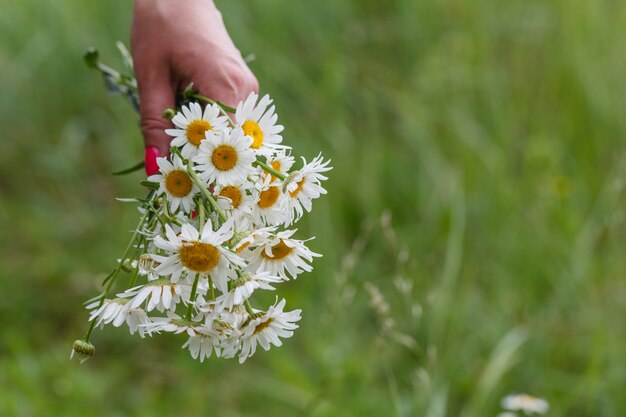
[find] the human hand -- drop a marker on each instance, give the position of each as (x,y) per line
(173,44)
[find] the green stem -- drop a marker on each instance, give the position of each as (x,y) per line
(220,105)
(206,193)
(200,207)
(248,307)
(211,288)
(194,288)
(111,278)
(270,170)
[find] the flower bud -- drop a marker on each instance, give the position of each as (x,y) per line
(168,114)
(84,350)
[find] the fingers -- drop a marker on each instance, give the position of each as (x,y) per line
(155,94)
(229,83)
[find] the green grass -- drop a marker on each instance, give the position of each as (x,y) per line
(479,159)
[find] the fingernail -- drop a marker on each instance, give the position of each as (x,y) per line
(151,160)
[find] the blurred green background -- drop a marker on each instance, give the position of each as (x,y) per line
(473,234)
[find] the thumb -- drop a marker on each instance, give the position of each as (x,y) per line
(155,95)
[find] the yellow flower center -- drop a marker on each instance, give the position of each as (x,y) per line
(196,131)
(262,326)
(298,189)
(233,193)
(253,130)
(276,166)
(198,256)
(279,251)
(178,183)
(268,197)
(224,157)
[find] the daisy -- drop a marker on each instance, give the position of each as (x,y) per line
(202,346)
(192,125)
(282,256)
(203,254)
(268,207)
(281,162)
(303,186)
(173,323)
(225,158)
(236,201)
(267,328)
(259,123)
(161,294)
(118,312)
(526,403)
(254,238)
(243,287)
(176,183)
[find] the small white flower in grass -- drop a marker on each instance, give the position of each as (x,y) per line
(282,256)
(225,158)
(526,403)
(161,294)
(259,123)
(303,186)
(118,312)
(243,287)
(266,329)
(176,183)
(192,125)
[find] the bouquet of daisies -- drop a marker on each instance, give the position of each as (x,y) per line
(216,228)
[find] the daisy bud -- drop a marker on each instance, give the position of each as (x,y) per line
(289,180)
(127,266)
(84,350)
(168,114)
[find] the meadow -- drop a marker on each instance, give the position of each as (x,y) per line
(473,232)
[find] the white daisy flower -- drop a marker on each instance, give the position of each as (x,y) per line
(281,162)
(266,329)
(236,201)
(195,253)
(174,323)
(225,158)
(269,204)
(192,125)
(176,183)
(202,346)
(243,287)
(282,256)
(118,312)
(526,403)
(254,238)
(161,294)
(303,186)
(259,123)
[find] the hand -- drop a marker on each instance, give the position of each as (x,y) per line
(174,43)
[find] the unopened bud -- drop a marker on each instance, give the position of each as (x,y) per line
(127,266)
(91,57)
(168,114)
(83,350)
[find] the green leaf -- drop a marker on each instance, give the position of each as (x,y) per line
(150,184)
(134,168)
(91,57)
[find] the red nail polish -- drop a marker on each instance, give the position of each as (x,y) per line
(151,164)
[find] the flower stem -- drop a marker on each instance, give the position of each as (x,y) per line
(110,280)
(192,301)
(200,207)
(223,108)
(270,170)
(206,193)
(248,307)
(211,288)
